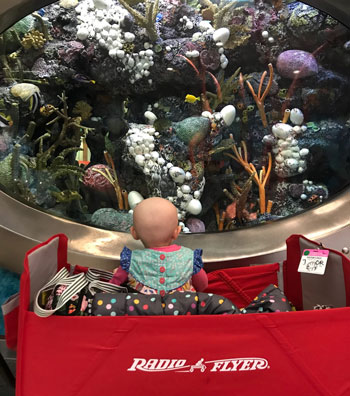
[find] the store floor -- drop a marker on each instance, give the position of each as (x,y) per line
(9,358)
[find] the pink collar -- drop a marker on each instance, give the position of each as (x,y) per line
(170,248)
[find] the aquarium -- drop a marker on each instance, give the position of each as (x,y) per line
(236,111)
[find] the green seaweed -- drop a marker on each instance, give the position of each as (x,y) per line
(228,87)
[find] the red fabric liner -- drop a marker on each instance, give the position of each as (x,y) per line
(242,285)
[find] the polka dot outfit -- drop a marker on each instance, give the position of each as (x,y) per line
(270,299)
(177,303)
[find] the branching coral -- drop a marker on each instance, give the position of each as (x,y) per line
(201,73)
(239,195)
(259,179)
(69,136)
(260,98)
(148,20)
(240,29)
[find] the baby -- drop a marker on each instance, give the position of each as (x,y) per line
(161,267)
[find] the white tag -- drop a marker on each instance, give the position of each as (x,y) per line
(313,261)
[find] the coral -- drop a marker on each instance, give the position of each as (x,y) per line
(148,20)
(260,98)
(69,136)
(83,109)
(33,39)
(101,177)
(239,196)
(68,3)
(95,180)
(14,172)
(237,21)
(260,179)
(228,89)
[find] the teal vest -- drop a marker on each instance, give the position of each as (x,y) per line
(162,270)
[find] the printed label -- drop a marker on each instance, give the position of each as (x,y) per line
(313,261)
(182,366)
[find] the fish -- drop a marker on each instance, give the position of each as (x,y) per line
(34,102)
(83,156)
(41,12)
(5,121)
(83,79)
(191,98)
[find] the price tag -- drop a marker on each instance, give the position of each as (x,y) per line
(313,261)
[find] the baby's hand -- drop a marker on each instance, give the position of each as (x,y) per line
(115,269)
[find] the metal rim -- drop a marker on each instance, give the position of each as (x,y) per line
(260,240)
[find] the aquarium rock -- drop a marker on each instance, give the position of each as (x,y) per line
(111,219)
(296,64)
(192,128)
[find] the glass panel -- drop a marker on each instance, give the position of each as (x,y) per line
(235,111)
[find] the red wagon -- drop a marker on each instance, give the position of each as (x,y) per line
(291,353)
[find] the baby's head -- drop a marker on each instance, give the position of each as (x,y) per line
(155,222)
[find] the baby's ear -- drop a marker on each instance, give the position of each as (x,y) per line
(176,232)
(134,233)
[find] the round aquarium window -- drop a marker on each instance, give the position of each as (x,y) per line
(235,111)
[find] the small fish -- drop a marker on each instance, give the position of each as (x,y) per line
(83,156)
(313,198)
(83,79)
(34,102)
(159,17)
(191,98)
(5,121)
(41,12)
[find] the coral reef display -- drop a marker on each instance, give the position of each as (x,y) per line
(237,111)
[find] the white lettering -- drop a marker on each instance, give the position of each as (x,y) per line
(235,364)
(224,367)
(261,364)
(246,365)
(180,363)
(216,366)
(163,364)
(138,363)
(151,364)
(172,363)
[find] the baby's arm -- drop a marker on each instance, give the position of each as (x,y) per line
(119,277)
(200,280)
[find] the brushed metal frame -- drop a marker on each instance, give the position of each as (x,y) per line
(23,227)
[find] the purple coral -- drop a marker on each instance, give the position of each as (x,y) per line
(296,63)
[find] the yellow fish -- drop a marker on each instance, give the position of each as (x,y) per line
(191,98)
(5,120)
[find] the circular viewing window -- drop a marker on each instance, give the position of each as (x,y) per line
(235,111)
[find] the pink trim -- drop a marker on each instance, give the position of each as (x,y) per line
(170,248)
